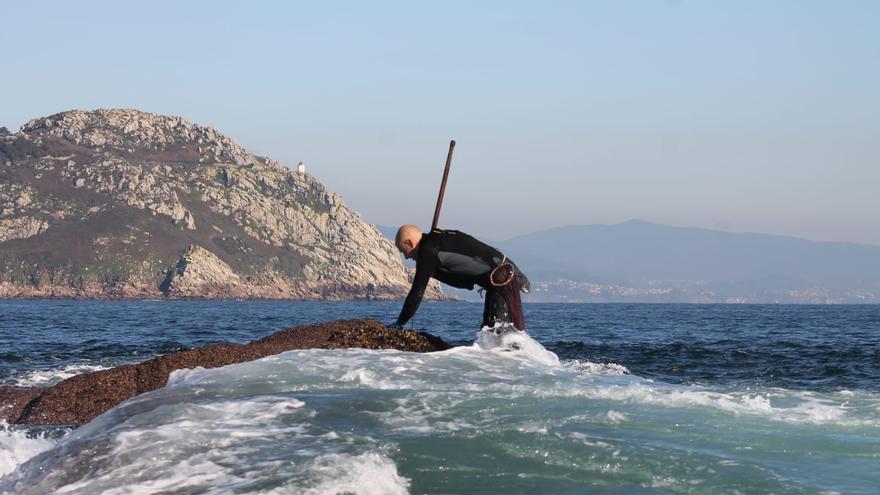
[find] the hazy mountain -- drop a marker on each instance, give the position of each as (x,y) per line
(700,264)
(123,203)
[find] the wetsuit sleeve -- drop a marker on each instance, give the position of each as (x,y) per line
(425,267)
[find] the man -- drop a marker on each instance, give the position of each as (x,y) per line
(461,261)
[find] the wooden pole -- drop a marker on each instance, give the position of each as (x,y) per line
(443,186)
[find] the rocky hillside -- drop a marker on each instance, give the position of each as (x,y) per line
(123,203)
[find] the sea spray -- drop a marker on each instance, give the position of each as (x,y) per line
(20,444)
(505,338)
(50,376)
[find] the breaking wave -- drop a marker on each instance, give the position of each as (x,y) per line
(18,445)
(51,376)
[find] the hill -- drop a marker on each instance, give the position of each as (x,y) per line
(642,261)
(124,203)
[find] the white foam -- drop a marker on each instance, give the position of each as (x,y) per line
(588,367)
(191,473)
(426,412)
(183,376)
(365,474)
(17,447)
(615,417)
(794,407)
(363,377)
(254,410)
(500,339)
(185,445)
(48,377)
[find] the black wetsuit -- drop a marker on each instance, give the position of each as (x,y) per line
(461,261)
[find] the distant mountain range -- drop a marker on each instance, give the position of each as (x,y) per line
(638,261)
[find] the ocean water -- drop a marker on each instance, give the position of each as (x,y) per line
(596,399)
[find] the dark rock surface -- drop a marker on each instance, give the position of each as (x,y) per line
(81,398)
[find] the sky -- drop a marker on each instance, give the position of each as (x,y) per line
(739,115)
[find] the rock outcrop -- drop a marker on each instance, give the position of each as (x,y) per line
(81,398)
(21,228)
(200,273)
(123,203)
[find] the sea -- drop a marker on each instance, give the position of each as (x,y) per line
(595,398)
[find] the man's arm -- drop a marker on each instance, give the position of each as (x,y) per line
(425,267)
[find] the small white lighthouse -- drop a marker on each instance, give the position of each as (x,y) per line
(301,167)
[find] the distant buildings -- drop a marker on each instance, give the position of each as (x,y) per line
(301,167)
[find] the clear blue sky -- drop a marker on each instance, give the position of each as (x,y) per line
(745,116)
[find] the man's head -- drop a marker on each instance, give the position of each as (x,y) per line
(407,241)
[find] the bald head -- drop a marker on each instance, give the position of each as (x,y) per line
(407,240)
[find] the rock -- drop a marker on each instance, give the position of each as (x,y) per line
(199,273)
(188,220)
(21,228)
(24,199)
(14,400)
(80,399)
